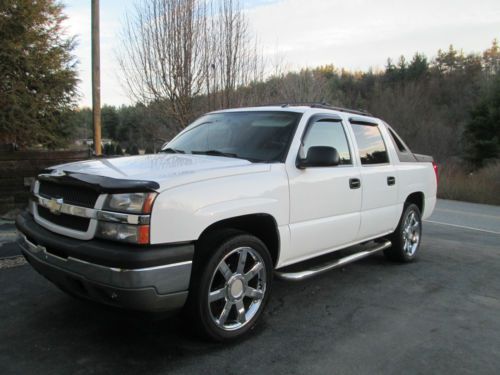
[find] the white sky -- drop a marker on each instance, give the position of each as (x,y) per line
(354,34)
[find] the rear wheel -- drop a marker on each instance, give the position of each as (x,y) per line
(406,238)
(231,287)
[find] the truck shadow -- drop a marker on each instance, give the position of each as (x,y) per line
(105,339)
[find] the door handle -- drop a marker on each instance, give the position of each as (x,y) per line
(354,183)
(391,180)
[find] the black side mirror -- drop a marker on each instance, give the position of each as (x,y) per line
(320,156)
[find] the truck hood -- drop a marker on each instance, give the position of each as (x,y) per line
(167,170)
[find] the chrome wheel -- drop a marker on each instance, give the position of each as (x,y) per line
(411,233)
(237,288)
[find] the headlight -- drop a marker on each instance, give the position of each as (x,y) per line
(125,217)
(123,232)
(130,202)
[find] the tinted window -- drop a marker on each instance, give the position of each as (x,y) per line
(397,142)
(255,136)
(328,133)
(370,144)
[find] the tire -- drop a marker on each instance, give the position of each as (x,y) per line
(407,236)
(230,286)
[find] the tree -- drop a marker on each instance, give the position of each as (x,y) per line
(81,122)
(163,56)
(177,50)
(109,149)
(482,133)
(118,150)
(232,60)
(37,73)
(305,86)
(418,67)
(449,61)
(134,150)
(110,121)
(491,58)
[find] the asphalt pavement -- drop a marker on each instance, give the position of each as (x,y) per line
(438,315)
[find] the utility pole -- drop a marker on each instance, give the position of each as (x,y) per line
(96,78)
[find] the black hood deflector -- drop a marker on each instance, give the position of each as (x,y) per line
(100,184)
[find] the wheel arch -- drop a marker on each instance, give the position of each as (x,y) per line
(261,225)
(418,199)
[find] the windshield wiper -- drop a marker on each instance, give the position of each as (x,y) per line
(216,153)
(170,150)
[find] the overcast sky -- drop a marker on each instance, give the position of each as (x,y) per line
(354,34)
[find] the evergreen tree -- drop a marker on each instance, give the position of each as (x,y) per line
(491,58)
(482,133)
(109,149)
(118,150)
(134,150)
(391,71)
(37,73)
(418,67)
(110,121)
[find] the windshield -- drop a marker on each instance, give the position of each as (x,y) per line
(255,136)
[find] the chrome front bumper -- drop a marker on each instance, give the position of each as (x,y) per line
(159,288)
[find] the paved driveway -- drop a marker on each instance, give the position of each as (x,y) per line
(439,315)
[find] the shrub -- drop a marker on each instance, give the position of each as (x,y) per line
(109,149)
(118,150)
(134,150)
(480,186)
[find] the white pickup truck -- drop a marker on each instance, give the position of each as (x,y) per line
(237,197)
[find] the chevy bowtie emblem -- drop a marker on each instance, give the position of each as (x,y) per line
(55,205)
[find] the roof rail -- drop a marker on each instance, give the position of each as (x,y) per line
(326,106)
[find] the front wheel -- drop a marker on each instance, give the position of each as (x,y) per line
(406,238)
(232,287)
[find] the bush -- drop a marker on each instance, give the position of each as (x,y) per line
(109,149)
(149,150)
(480,186)
(118,150)
(134,150)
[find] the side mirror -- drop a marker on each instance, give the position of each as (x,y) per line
(320,156)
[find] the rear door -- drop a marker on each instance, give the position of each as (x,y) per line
(324,203)
(379,180)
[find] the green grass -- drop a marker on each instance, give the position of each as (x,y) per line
(481,186)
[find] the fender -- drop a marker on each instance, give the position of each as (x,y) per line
(181,214)
(240,207)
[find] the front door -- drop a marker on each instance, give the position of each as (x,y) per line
(325,202)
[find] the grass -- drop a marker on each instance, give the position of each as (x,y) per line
(481,186)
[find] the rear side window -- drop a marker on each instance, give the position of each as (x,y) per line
(371,145)
(328,133)
(397,142)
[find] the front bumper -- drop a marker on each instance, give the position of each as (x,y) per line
(148,286)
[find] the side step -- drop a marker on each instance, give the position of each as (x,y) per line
(316,270)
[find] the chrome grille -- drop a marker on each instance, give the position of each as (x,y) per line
(63,220)
(75,195)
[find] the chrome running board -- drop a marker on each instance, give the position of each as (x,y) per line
(302,275)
